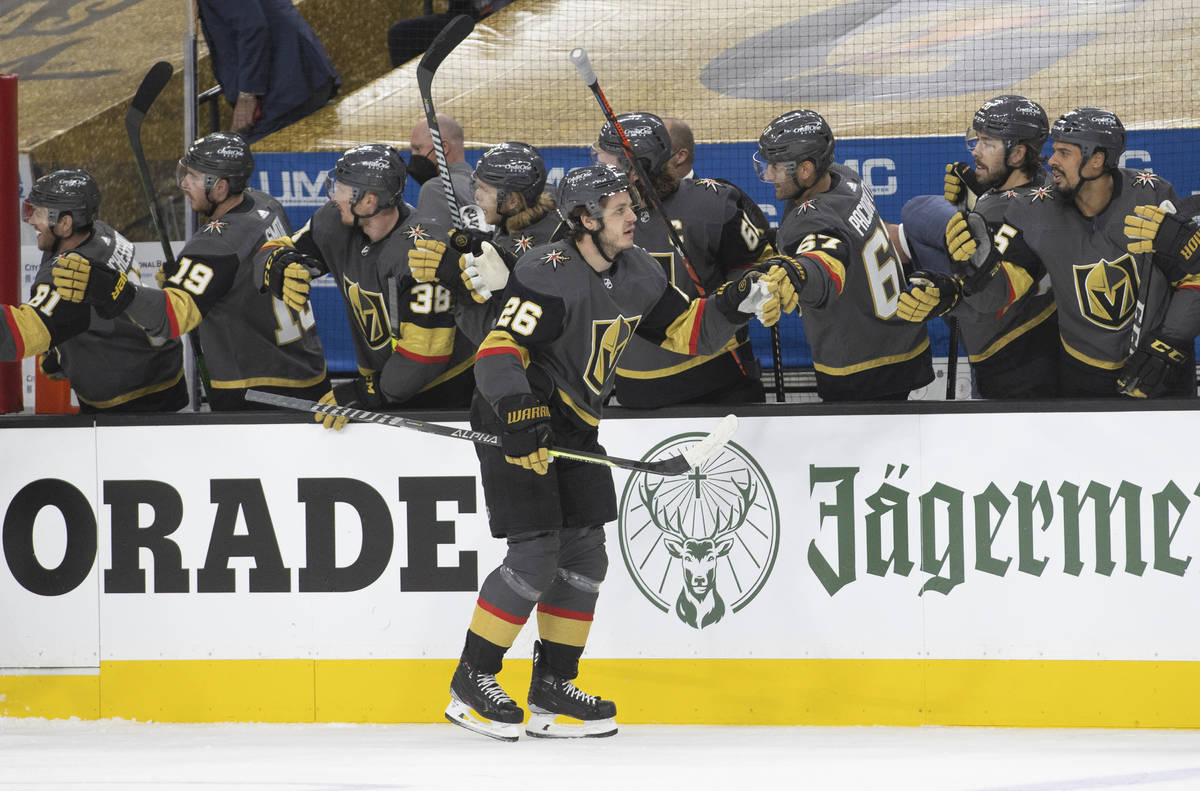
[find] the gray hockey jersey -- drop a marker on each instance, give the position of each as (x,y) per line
(848,303)
(110,362)
(250,339)
(1100,287)
(723,233)
(569,325)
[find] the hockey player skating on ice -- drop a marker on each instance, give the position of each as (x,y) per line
(1013,349)
(542,375)
(723,233)
(1124,327)
(249,339)
(113,365)
(845,271)
(366,236)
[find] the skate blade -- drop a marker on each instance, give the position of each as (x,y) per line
(552,726)
(463,715)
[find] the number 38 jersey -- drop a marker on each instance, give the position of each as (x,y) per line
(563,327)
(397,322)
(848,303)
(250,339)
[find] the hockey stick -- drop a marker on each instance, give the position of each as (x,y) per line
(579,58)
(583,64)
(694,456)
(152,85)
(952,359)
(777,362)
(450,37)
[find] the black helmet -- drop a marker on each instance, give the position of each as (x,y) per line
(796,136)
(647,134)
(220,155)
(375,167)
(513,167)
(1091,128)
(71,192)
(1013,119)
(585,187)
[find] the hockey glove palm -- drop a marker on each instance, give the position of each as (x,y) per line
(962,187)
(50,364)
(424,259)
(929,295)
(789,292)
(1174,239)
(969,243)
(1150,369)
(101,286)
(526,435)
(484,274)
(360,393)
(287,275)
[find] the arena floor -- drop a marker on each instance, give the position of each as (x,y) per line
(58,755)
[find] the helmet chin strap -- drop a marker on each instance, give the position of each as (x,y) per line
(596,240)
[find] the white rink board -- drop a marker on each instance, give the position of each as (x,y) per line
(803,461)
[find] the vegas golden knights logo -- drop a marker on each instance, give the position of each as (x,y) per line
(1107,291)
(608,341)
(370,313)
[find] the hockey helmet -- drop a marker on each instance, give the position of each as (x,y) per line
(513,167)
(1091,128)
(72,192)
(585,187)
(795,137)
(373,167)
(647,134)
(220,155)
(1013,119)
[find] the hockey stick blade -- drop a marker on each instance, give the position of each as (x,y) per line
(673,465)
(450,37)
(152,85)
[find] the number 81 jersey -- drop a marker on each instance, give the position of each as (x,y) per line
(848,303)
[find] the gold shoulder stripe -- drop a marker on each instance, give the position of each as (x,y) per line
(424,344)
(832,266)
(1019,281)
(500,342)
(683,333)
(183,313)
(32,337)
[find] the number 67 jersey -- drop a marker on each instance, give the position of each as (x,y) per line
(848,303)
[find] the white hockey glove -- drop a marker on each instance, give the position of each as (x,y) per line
(484,274)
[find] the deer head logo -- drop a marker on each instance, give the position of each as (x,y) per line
(701,545)
(699,604)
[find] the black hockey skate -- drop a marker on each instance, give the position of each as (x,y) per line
(553,699)
(478,703)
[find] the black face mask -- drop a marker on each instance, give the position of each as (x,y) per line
(421,169)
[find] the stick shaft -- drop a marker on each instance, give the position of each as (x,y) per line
(674,465)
